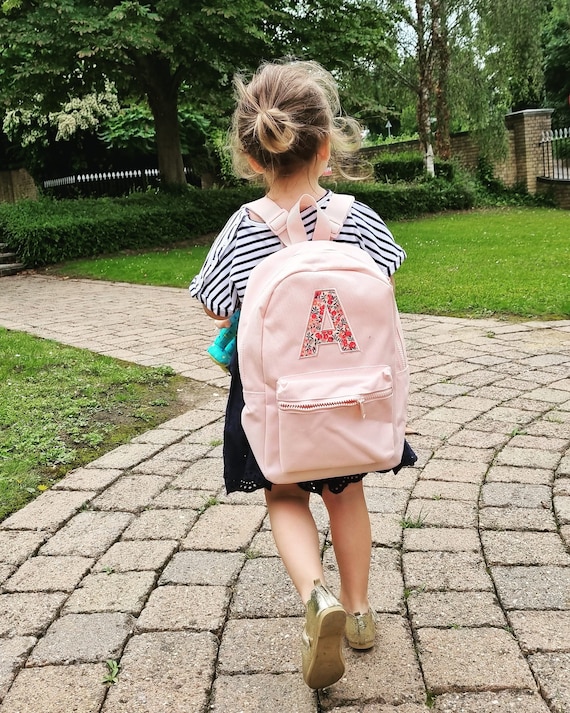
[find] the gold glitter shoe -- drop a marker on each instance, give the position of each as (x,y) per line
(360,629)
(323,662)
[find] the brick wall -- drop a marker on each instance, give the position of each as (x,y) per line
(523,161)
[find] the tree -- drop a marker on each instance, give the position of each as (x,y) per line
(68,47)
(474,59)
(170,49)
(556,43)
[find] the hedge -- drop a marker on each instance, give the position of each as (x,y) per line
(48,231)
(408,166)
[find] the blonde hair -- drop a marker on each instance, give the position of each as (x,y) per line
(282,117)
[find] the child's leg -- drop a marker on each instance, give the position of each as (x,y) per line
(352,542)
(296,536)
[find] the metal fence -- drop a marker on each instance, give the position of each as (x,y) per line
(555,147)
(106,183)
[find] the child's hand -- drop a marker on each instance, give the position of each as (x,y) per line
(221,322)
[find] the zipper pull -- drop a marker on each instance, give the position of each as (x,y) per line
(362,411)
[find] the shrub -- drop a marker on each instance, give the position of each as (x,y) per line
(408,166)
(49,231)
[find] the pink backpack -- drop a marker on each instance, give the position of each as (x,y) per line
(321,353)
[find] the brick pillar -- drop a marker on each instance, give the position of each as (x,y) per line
(527,127)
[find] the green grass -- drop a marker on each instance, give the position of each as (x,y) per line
(510,262)
(173,267)
(61,407)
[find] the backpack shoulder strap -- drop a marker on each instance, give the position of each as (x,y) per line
(288,225)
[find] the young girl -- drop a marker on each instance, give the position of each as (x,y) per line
(286,128)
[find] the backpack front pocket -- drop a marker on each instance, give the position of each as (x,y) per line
(336,419)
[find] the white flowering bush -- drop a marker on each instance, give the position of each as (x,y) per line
(30,126)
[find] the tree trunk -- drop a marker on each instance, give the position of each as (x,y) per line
(441,62)
(161,88)
(425,85)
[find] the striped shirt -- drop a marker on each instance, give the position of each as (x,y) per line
(244,242)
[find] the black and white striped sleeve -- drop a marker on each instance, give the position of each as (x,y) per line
(213,285)
(365,227)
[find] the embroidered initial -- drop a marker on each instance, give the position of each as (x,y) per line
(327,302)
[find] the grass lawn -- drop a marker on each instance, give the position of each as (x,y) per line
(511,262)
(61,407)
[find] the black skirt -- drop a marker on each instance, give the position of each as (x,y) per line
(241,471)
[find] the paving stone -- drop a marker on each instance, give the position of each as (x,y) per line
(225,527)
(508,415)
(528,458)
(203,567)
(212,434)
(183,451)
(501,518)
(192,420)
(96,479)
(262,693)
(403,479)
(378,708)
(562,508)
(261,646)
(519,474)
(539,442)
(165,468)
(524,548)
(470,455)
(455,571)
(491,701)
(160,436)
(515,495)
(49,511)
(13,653)
(565,534)
(49,574)
(136,556)
(387,674)
(454,470)
(82,638)
(533,587)
(175,608)
(439,429)
(386,587)
(441,513)
(455,609)
(16,547)
(132,493)
(263,545)
(205,474)
(386,529)
(386,500)
(255,498)
(445,539)
(472,660)
(178,499)
(562,486)
(88,534)
(6,570)
(28,614)
(160,525)
(542,631)
(126,456)
(472,438)
(164,671)
(54,689)
(264,590)
(441,490)
(553,674)
(124,592)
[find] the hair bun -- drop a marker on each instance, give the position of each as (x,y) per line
(275,130)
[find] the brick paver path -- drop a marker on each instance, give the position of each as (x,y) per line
(141,558)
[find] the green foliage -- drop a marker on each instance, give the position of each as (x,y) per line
(486,263)
(408,166)
(49,231)
(78,405)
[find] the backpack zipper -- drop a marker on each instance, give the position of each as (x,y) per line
(336,403)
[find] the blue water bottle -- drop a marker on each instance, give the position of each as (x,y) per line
(224,346)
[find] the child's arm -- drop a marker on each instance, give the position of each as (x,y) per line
(220,322)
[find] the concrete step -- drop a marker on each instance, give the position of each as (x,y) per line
(7,257)
(12,268)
